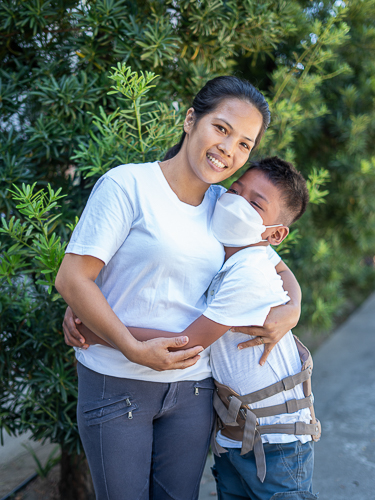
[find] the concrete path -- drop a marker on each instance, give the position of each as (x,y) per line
(17,463)
(344,389)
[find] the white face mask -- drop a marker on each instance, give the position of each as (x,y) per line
(235,223)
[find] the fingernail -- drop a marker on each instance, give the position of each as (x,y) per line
(239,347)
(261,363)
(184,339)
(82,341)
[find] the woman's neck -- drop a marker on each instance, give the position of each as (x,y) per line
(189,188)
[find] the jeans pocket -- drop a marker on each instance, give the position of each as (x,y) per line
(102,410)
(294,495)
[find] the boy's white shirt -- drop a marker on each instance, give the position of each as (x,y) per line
(242,293)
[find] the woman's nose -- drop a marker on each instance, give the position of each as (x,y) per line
(227,148)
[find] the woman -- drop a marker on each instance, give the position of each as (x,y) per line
(143,254)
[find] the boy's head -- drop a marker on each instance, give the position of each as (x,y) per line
(277,191)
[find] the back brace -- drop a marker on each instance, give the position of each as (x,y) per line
(239,422)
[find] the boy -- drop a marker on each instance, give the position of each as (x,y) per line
(279,195)
(255,212)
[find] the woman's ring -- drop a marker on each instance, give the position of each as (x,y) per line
(261,340)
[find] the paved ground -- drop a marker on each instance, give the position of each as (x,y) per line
(344,388)
(16,463)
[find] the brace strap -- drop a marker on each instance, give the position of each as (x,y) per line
(232,410)
(285,384)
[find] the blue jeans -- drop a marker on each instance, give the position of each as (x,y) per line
(289,473)
(144,440)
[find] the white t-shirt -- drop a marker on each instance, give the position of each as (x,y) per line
(160,256)
(242,293)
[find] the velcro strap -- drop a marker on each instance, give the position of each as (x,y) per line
(298,429)
(260,459)
(227,415)
(283,385)
(233,409)
(252,441)
(249,432)
(215,447)
(290,406)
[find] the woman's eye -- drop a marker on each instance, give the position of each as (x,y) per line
(246,146)
(222,129)
(231,190)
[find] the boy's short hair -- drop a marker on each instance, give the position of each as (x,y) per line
(291,182)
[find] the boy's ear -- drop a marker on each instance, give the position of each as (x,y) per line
(189,120)
(278,235)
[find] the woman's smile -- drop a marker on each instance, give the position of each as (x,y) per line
(216,162)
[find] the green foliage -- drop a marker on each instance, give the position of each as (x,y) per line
(135,132)
(38,380)
(37,376)
(43,470)
(35,249)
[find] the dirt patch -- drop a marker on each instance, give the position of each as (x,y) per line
(41,488)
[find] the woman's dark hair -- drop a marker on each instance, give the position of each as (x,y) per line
(224,87)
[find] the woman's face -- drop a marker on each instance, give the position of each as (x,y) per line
(220,142)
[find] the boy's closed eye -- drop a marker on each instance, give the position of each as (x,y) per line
(253,203)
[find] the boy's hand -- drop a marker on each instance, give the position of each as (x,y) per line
(72,336)
(280,320)
(259,340)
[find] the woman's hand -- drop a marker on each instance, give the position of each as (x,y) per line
(155,354)
(279,321)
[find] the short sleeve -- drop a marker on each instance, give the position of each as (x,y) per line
(273,256)
(242,299)
(105,222)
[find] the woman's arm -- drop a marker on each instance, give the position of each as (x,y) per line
(280,320)
(75,281)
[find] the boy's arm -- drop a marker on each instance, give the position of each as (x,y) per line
(280,320)
(202,332)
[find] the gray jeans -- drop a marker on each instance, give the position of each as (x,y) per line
(144,440)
